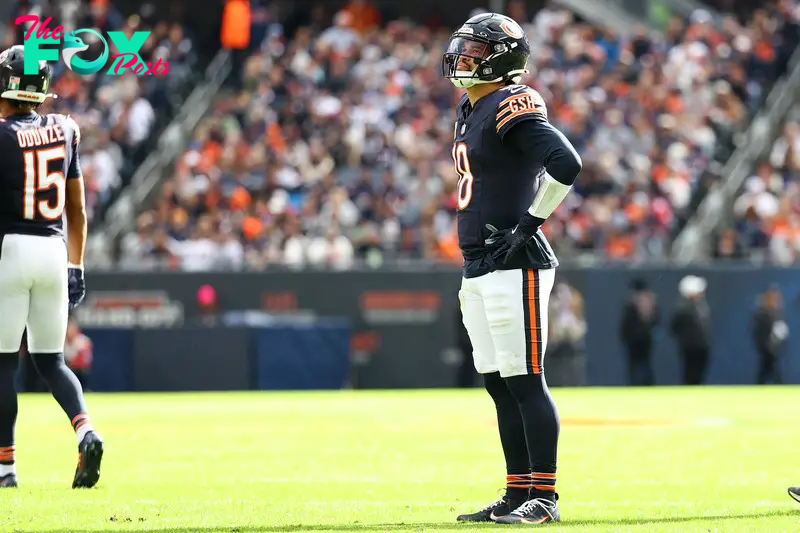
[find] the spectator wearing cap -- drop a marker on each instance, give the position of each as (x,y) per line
(690,328)
(769,334)
(640,317)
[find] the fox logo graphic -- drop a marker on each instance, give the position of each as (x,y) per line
(127,56)
(74,44)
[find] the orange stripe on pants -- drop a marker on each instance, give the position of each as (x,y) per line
(533,318)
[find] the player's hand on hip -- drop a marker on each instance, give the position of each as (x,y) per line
(497,243)
(507,242)
(76,287)
(504,243)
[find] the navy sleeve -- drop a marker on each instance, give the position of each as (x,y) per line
(548,146)
(74,171)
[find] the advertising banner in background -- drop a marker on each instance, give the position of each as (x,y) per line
(402,326)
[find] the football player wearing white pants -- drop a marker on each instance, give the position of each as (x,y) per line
(514,170)
(41,276)
(505,313)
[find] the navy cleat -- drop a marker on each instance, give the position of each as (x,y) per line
(533,512)
(491,512)
(8,481)
(794,492)
(90,454)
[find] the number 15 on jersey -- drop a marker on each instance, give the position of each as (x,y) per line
(38,178)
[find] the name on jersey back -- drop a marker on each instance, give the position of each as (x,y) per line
(31,137)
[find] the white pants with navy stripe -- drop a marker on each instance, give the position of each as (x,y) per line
(33,293)
(505,313)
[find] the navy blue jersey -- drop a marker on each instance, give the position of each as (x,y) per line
(39,154)
(497,179)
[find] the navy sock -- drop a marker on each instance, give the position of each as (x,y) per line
(512,438)
(542,426)
(9,362)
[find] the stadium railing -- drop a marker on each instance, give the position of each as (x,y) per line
(658,12)
(122,213)
(693,243)
(609,15)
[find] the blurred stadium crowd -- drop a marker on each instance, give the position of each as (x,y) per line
(766,216)
(119,116)
(332,143)
(335,145)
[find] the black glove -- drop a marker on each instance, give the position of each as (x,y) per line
(505,243)
(76,287)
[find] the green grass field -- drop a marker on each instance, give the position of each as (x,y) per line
(671,459)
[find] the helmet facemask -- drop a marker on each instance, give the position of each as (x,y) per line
(468,62)
(465,62)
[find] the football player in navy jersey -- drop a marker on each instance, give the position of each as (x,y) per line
(514,170)
(41,276)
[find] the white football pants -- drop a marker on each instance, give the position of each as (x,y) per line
(33,293)
(505,313)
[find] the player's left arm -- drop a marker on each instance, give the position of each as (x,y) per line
(561,162)
(76,221)
(522,124)
(76,202)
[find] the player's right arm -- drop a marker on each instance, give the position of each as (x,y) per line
(76,203)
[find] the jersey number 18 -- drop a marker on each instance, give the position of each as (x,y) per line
(38,178)
(465,177)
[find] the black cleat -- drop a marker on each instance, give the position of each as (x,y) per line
(534,512)
(491,512)
(794,492)
(90,454)
(8,481)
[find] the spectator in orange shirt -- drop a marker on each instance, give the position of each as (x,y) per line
(364,15)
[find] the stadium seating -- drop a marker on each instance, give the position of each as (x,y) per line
(335,147)
(766,215)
